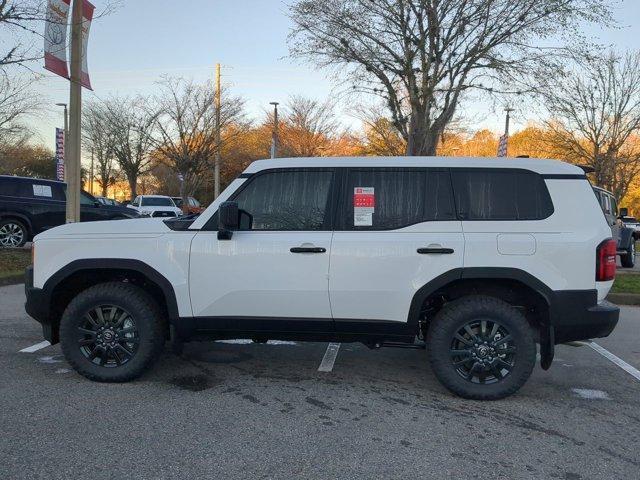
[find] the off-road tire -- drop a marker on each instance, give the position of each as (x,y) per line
(458,313)
(149,320)
(628,260)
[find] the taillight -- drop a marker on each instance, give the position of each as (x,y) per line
(606,260)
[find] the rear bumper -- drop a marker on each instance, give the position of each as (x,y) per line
(37,306)
(577,315)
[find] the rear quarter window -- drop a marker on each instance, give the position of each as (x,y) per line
(501,194)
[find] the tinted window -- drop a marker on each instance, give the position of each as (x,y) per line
(385,199)
(287,200)
(10,188)
(156,202)
(86,199)
(501,195)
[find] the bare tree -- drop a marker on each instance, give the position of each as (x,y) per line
(130,126)
(422,56)
(308,127)
(17,101)
(185,137)
(595,114)
(99,139)
(18,20)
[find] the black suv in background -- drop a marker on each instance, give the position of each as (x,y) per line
(29,206)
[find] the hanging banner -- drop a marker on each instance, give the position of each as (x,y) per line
(502,146)
(87,14)
(60,154)
(55,37)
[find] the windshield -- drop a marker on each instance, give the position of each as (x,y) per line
(157,202)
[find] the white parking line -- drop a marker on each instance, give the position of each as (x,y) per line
(36,347)
(618,361)
(329,357)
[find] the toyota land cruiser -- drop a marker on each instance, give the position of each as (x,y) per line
(479,259)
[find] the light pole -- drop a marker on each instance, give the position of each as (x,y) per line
(216,167)
(66,134)
(274,135)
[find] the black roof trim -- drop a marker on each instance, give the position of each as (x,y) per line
(563,176)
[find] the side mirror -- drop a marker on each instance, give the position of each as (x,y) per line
(624,212)
(228,220)
(96,203)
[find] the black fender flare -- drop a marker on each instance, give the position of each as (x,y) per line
(547,337)
(91,264)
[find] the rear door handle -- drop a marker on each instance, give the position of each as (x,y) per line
(435,250)
(307,250)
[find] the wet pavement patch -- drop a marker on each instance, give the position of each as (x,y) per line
(220,356)
(193,383)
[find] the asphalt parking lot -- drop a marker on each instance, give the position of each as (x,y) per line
(237,410)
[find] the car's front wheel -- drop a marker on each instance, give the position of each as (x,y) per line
(13,233)
(112,332)
(481,348)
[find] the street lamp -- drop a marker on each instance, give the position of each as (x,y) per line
(66,133)
(274,137)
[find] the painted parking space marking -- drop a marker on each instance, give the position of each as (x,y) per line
(36,347)
(591,394)
(329,357)
(634,372)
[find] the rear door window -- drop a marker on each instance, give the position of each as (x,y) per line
(501,194)
(393,198)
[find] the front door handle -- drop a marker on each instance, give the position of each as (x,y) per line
(435,250)
(307,250)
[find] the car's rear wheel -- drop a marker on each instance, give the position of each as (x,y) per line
(481,348)
(13,233)
(112,332)
(628,260)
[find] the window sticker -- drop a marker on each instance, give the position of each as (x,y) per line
(364,202)
(42,191)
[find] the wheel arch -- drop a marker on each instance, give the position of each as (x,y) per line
(513,285)
(20,217)
(79,275)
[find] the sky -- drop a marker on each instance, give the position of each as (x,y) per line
(142,40)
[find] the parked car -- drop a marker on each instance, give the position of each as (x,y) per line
(29,206)
(155,206)
(622,233)
(631,222)
(107,201)
(193,206)
(478,258)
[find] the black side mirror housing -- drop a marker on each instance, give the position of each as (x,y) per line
(228,220)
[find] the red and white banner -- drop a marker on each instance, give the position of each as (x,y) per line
(59,154)
(55,37)
(502,146)
(87,14)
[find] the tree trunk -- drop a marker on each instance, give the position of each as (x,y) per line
(104,187)
(133,185)
(423,141)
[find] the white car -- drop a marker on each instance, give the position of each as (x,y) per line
(155,206)
(478,259)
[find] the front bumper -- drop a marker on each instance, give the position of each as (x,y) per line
(37,306)
(577,315)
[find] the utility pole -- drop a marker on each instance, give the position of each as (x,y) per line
(73,167)
(274,135)
(506,123)
(216,168)
(66,136)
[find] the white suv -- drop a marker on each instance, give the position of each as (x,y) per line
(479,259)
(155,206)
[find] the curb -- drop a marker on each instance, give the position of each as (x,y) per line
(624,298)
(12,280)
